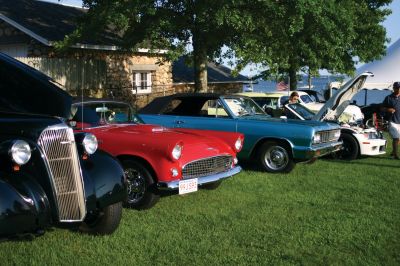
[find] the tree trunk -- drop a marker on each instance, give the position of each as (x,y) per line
(200,74)
(293,79)
(200,61)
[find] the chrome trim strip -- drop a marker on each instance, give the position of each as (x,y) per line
(327,148)
(174,185)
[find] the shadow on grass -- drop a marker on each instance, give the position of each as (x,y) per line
(25,237)
(249,166)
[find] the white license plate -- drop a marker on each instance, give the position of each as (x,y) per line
(187,186)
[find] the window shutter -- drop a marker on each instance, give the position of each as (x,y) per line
(148,75)
(137,80)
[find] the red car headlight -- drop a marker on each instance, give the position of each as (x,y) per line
(176,152)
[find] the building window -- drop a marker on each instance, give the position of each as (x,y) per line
(141,82)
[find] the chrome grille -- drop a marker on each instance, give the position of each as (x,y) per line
(207,166)
(58,146)
(328,136)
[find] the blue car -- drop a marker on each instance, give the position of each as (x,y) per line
(275,144)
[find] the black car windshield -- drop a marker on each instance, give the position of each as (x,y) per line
(101,113)
(242,106)
(301,110)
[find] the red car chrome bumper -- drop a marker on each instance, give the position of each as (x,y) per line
(174,185)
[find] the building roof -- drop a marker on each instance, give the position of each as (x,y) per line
(50,22)
(216,73)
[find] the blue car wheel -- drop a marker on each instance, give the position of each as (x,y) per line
(275,157)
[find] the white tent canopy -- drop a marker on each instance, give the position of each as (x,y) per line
(386,70)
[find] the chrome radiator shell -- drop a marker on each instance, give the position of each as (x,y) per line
(60,153)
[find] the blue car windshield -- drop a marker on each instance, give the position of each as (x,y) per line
(243,106)
(301,110)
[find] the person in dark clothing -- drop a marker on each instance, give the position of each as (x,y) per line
(391,105)
(293,98)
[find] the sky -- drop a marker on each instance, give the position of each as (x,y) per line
(392,25)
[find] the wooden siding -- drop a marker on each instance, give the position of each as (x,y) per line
(73,74)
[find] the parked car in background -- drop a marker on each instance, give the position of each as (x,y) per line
(357,139)
(49,175)
(272,103)
(316,96)
(158,158)
(277,99)
(276,144)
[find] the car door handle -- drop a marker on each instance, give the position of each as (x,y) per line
(179,122)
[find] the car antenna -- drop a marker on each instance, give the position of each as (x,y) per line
(82,107)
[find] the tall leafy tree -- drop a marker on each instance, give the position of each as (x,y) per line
(203,25)
(308,35)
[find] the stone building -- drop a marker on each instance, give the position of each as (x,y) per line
(29,31)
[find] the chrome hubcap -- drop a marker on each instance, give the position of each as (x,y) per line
(276,157)
(136,185)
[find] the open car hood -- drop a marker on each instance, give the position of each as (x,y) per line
(335,106)
(26,90)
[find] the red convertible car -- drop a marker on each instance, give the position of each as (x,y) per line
(157,158)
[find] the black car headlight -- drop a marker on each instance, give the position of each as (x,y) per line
(90,143)
(20,152)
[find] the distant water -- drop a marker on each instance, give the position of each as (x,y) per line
(320,84)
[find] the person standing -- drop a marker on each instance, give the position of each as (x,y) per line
(391,105)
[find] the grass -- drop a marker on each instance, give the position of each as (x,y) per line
(329,212)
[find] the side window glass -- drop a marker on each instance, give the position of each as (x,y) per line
(213,108)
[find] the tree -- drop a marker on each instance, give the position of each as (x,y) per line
(174,25)
(315,34)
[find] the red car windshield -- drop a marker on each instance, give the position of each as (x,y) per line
(101,113)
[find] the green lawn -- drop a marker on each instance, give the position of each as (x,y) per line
(329,212)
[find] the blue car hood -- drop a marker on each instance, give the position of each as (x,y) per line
(316,124)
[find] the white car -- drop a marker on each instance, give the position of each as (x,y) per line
(275,101)
(357,140)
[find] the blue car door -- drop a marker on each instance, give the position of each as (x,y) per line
(213,116)
(213,123)
(164,120)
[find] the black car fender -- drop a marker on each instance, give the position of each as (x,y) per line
(349,131)
(104,180)
(24,206)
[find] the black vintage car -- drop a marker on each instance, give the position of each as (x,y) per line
(50,176)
